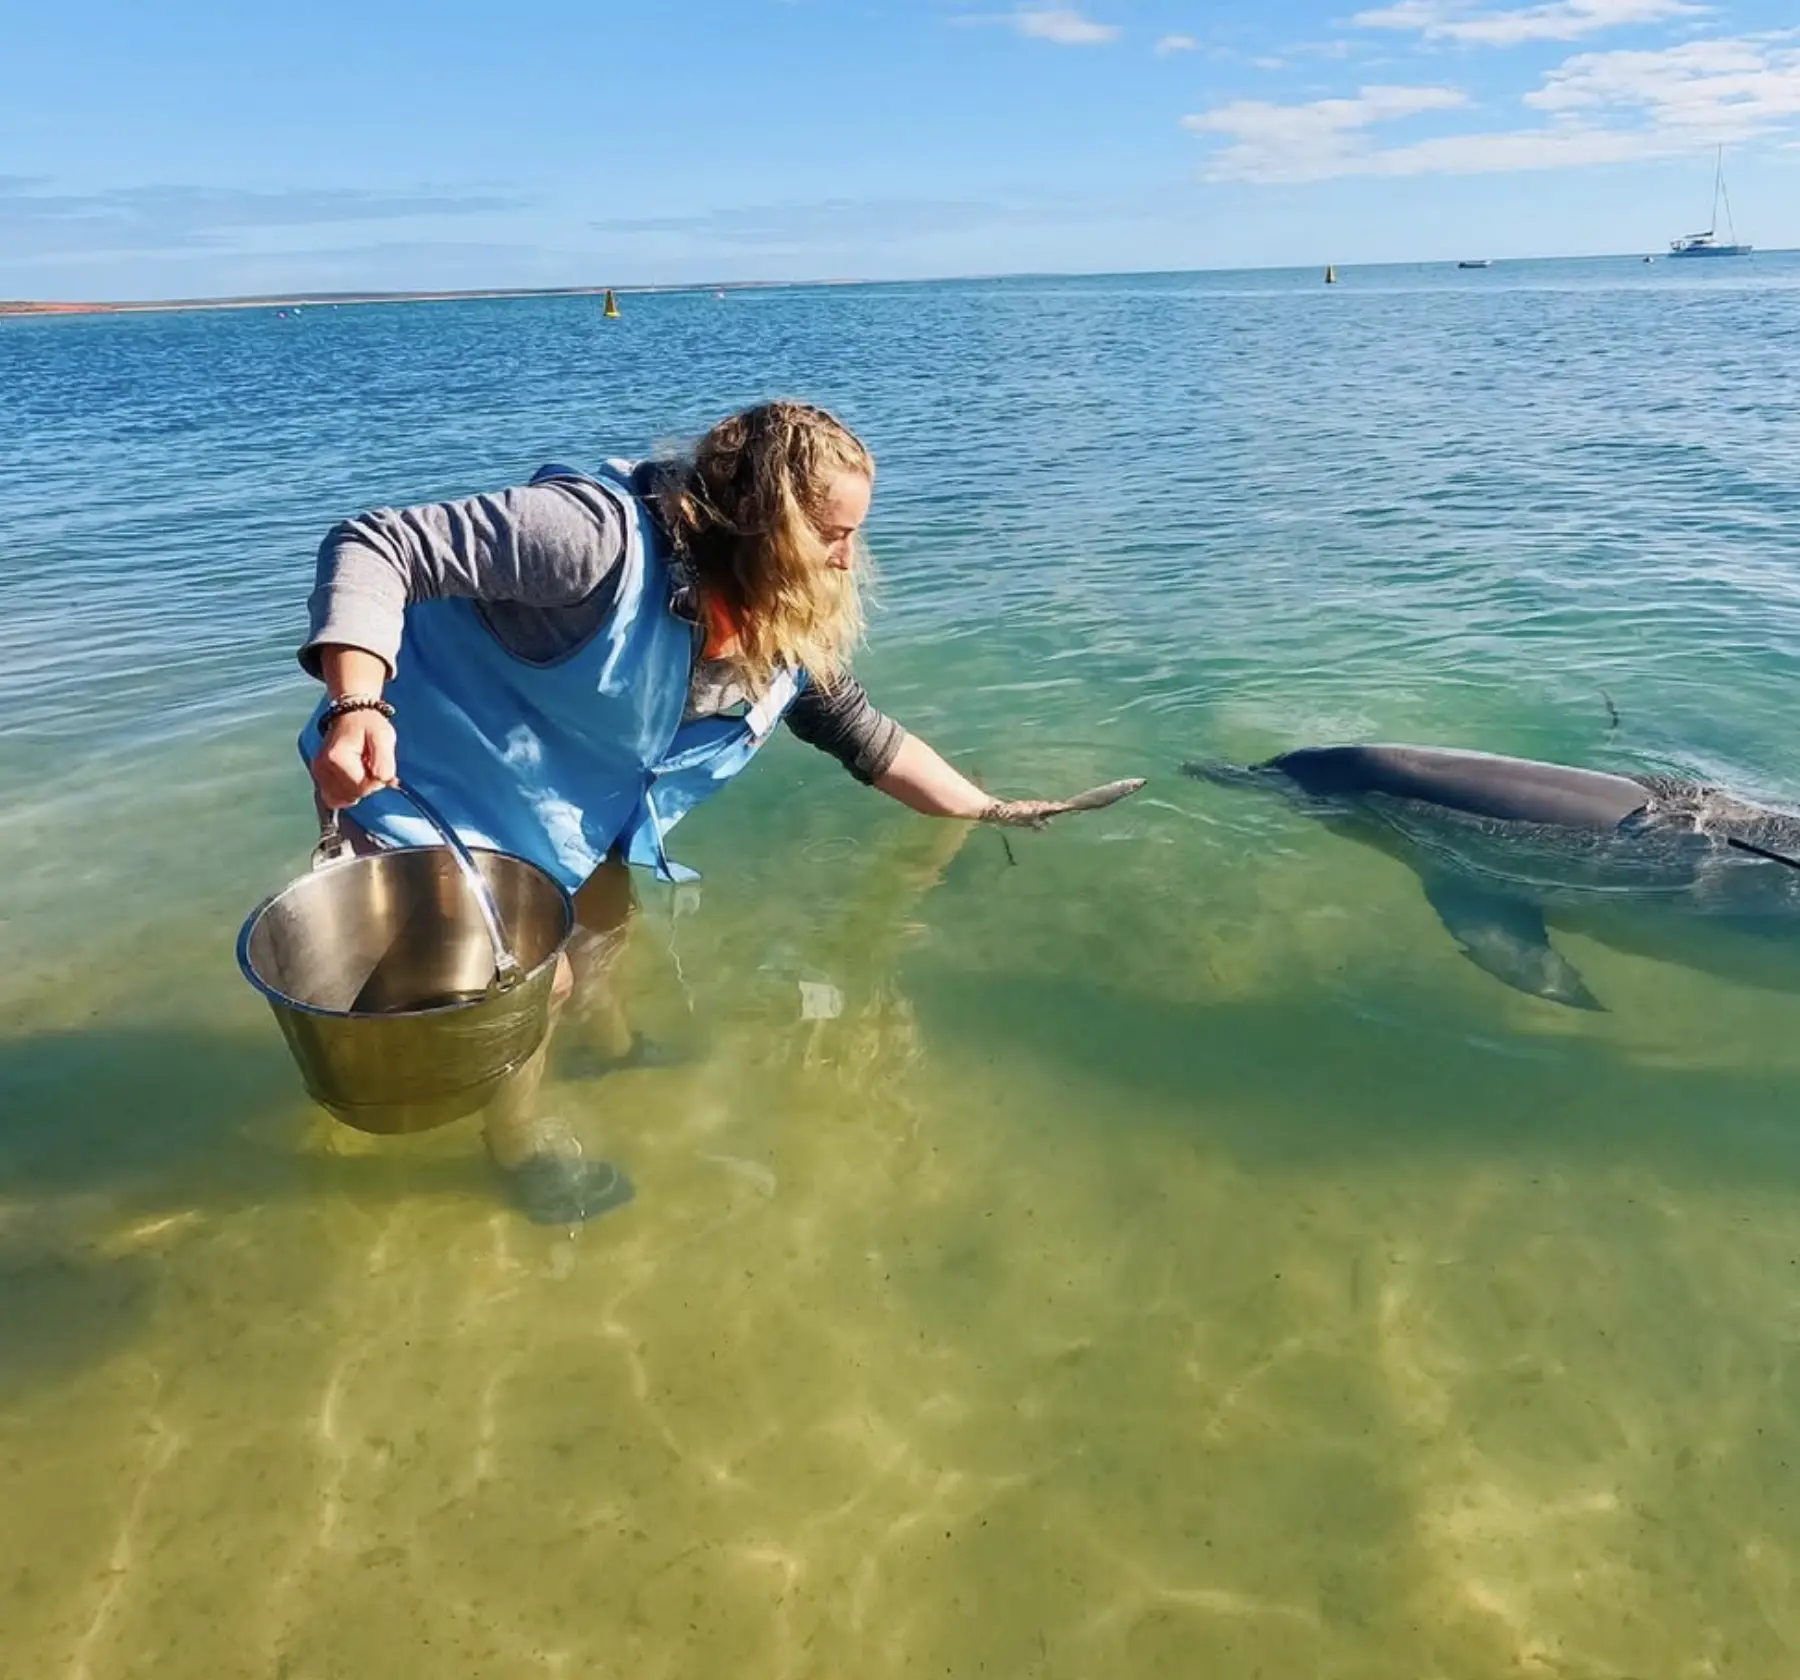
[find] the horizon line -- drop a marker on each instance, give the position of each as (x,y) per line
(300,299)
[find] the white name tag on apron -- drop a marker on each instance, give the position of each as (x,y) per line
(763,716)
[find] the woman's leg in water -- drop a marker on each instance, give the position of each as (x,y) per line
(547,1175)
(605,904)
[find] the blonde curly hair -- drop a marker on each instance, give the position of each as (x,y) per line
(743,508)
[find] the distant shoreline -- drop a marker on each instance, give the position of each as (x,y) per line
(320,300)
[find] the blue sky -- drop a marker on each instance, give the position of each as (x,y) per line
(183,149)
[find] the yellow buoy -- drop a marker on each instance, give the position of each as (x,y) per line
(612,306)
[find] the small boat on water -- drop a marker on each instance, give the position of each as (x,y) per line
(1707,244)
(1476,262)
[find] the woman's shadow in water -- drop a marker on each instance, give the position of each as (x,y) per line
(159,1119)
(63,1305)
(109,1125)
(140,1119)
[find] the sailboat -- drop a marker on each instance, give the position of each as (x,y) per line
(1706,244)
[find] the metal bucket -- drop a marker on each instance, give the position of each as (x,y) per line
(412,983)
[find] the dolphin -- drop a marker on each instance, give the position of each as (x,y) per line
(1506,848)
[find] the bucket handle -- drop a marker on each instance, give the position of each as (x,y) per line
(507,970)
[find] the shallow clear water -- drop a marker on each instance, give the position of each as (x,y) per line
(1176,1259)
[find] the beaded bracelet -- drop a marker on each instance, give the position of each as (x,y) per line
(353,703)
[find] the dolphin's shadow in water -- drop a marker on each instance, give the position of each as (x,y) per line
(1313,1078)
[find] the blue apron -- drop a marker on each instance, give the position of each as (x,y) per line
(562,762)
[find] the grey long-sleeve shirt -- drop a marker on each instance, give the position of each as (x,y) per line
(541,561)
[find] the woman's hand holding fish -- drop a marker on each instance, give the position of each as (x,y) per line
(1036,813)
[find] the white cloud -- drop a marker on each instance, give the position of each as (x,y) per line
(1319,49)
(1268,63)
(1600,108)
(1723,89)
(1273,142)
(1066,28)
(1559,20)
(1176,43)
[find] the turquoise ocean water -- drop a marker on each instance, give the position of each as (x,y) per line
(1175,1258)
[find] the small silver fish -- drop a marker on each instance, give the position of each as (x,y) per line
(1097,799)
